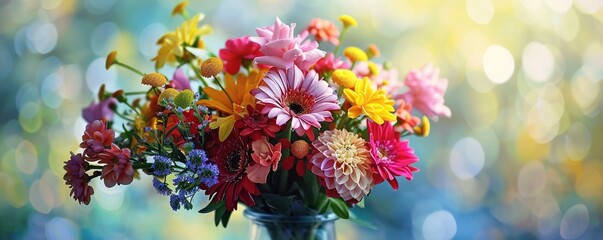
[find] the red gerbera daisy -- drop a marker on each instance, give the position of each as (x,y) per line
(233,157)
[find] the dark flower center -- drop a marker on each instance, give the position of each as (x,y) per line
(233,161)
(299,101)
(296,108)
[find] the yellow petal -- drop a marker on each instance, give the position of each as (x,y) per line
(354,112)
(350,95)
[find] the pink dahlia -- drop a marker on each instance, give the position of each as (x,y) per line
(99,111)
(77,179)
(266,156)
(238,51)
(291,95)
(391,155)
(426,91)
(96,138)
(118,168)
(343,164)
(282,50)
(324,30)
(329,63)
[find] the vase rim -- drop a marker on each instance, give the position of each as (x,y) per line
(264,217)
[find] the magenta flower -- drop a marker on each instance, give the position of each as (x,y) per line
(426,91)
(329,63)
(118,168)
(77,179)
(291,95)
(283,50)
(99,111)
(96,138)
(391,155)
(180,81)
(237,52)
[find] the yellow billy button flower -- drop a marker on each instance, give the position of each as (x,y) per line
(179,9)
(355,54)
(373,69)
(348,21)
(154,80)
(370,102)
(373,51)
(111,58)
(345,78)
(211,67)
(184,99)
(424,129)
(168,94)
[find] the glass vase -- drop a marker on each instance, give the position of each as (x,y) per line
(275,227)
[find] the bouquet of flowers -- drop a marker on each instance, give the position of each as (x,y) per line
(275,123)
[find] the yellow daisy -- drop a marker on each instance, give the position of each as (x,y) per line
(238,92)
(375,104)
(172,44)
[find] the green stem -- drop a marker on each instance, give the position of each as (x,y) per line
(129,68)
(124,117)
(224,90)
(340,41)
(198,75)
(136,93)
(282,183)
(142,165)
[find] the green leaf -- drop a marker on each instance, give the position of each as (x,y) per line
(339,208)
(218,214)
(323,203)
(211,207)
(281,204)
(360,222)
(361,203)
(225,218)
(311,188)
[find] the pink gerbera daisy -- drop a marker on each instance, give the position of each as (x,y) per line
(289,95)
(391,155)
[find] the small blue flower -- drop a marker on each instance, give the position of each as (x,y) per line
(195,159)
(161,166)
(147,129)
(161,187)
(208,173)
(209,182)
(174,202)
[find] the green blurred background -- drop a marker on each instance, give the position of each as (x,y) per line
(521,156)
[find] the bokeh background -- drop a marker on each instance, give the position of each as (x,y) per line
(521,156)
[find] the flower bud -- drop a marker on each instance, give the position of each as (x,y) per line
(154,79)
(211,67)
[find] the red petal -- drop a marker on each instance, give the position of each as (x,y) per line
(287,163)
(300,168)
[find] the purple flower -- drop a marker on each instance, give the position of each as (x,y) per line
(426,91)
(180,81)
(99,111)
(161,187)
(289,95)
(161,166)
(283,50)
